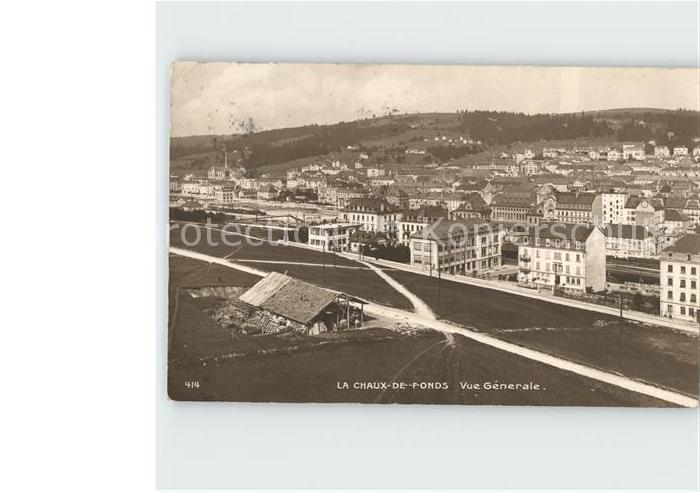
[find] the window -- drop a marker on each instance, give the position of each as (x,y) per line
(693,298)
(693,284)
(693,271)
(682,270)
(670,268)
(682,283)
(669,296)
(682,309)
(670,282)
(682,297)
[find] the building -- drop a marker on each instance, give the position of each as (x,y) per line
(570,256)
(458,247)
(279,303)
(609,208)
(372,214)
(661,151)
(633,151)
(512,207)
(331,237)
(644,212)
(629,241)
(473,207)
(224,194)
(680,292)
(680,151)
(375,172)
(574,207)
(413,221)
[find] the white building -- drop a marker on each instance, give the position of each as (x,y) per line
(633,151)
(413,221)
(680,294)
(331,237)
(372,214)
(571,256)
(609,208)
(375,172)
(629,241)
(680,151)
(457,246)
(661,151)
(224,194)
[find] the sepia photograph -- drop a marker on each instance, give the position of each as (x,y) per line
(434,234)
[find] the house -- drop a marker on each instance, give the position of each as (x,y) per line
(458,247)
(613,155)
(372,214)
(680,294)
(690,207)
(331,237)
(676,225)
(375,172)
(644,212)
(661,151)
(281,303)
(574,207)
(224,194)
(549,153)
(473,207)
(629,241)
(633,151)
(570,256)
(269,193)
(680,151)
(413,221)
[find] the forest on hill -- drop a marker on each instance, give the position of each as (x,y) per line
(489,128)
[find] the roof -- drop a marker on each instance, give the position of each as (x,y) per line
(521,200)
(557,230)
(446,229)
(635,201)
(425,212)
(627,231)
(575,199)
(370,205)
(672,215)
(690,244)
(289,297)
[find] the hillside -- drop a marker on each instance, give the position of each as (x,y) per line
(443,136)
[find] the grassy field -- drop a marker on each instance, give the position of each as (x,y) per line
(359,281)
(314,374)
(251,250)
(292,368)
(658,355)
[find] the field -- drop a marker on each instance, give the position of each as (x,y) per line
(357,280)
(660,356)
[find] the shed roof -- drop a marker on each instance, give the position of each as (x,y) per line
(289,297)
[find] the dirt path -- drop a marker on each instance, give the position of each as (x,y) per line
(421,308)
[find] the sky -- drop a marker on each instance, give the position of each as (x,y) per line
(214,98)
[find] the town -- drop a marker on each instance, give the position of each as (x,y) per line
(639,201)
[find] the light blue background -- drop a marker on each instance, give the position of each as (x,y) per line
(218,445)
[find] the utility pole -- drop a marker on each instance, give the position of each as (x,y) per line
(619,336)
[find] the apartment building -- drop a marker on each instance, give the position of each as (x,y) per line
(609,208)
(570,256)
(457,246)
(331,237)
(413,221)
(575,208)
(629,241)
(680,291)
(372,214)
